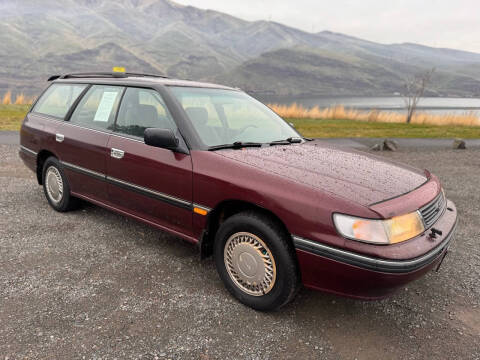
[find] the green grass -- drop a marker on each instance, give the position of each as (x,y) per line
(11,116)
(319,128)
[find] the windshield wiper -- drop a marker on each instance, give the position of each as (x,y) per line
(288,141)
(235,145)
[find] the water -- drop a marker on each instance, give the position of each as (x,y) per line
(435,105)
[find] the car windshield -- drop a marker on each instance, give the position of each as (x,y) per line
(228,116)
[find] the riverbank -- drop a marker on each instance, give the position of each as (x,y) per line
(339,112)
(11,117)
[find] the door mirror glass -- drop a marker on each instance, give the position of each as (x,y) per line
(162,138)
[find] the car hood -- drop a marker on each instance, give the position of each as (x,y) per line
(358,176)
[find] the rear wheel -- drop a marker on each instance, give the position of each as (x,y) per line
(56,187)
(256,261)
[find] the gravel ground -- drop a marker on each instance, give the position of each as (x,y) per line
(92,284)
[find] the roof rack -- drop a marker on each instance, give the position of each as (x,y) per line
(104,75)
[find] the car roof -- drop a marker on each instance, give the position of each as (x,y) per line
(133,79)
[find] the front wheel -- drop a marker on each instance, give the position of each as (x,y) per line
(256,261)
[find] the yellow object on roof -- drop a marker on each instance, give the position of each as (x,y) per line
(118,69)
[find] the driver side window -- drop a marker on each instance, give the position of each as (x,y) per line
(142,109)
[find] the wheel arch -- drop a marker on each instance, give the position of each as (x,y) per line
(42,156)
(223,211)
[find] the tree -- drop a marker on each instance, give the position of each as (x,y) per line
(415,87)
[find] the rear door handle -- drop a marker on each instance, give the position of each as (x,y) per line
(117,153)
(59,137)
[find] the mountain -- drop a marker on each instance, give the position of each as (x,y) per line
(299,71)
(39,38)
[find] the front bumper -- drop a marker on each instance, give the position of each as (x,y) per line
(354,274)
(370,263)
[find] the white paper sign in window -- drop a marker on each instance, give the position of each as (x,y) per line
(105,107)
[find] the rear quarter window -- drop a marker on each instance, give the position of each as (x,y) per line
(57,99)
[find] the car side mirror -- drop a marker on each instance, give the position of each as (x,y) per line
(291,124)
(162,138)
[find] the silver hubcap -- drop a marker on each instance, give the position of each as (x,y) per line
(250,263)
(54,184)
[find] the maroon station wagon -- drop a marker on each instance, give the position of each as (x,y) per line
(212,165)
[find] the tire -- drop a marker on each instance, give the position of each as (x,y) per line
(56,187)
(245,244)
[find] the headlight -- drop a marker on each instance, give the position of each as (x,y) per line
(390,231)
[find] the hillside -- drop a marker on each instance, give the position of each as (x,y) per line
(39,38)
(300,71)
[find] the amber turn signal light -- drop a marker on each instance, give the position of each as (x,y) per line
(200,211)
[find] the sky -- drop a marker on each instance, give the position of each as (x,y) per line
(438,23)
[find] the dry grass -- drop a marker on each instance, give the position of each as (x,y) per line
(11,116)
(340,113)
(20,99)
(7,98)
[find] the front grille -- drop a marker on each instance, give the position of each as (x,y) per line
(433,210)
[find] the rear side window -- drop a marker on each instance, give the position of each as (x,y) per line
(57,99)
(98,107)
(142,109)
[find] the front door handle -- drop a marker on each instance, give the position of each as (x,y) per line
(117,153)
(59,137)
